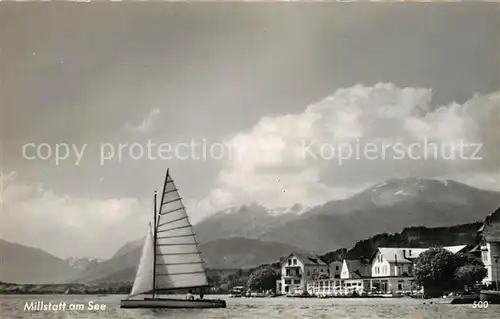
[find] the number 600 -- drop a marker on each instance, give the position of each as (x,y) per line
(480,304)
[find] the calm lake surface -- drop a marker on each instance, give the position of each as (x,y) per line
(12,306)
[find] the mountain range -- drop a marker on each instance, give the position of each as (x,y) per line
(28,265)
(387,207)
(250,235)
(230,253)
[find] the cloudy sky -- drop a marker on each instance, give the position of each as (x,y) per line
(266,80)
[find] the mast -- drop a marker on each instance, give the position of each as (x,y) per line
(154,245)
(156,231)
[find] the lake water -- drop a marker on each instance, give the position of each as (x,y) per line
(12,306)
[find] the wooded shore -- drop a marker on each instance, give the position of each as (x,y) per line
(74,289)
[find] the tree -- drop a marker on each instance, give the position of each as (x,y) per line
(263,279)
(439,270)
(214,279)
(434,269)
(469,275)
(468,259)
(470,270)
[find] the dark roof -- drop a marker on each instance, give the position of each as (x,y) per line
(491,227)
(358,269)
(307,259)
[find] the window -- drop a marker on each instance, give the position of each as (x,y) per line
(308,272)
(295,262)
(337,268)
(297,282)
(288,281)
(289,262)
(321,270)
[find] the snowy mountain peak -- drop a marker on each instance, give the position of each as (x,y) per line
(80,263)
(420,184)
(296,209)
(397,190)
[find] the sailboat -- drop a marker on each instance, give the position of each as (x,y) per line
(170,258)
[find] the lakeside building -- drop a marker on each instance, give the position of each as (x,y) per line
(390,270)
(297,270)
(490,247)
(335,269)
(354,269)
(352,278)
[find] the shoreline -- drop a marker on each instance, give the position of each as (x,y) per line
(64,289)
(70,289)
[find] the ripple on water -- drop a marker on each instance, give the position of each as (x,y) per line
(11,307)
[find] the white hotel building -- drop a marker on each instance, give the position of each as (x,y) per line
(299,269)
(390,270)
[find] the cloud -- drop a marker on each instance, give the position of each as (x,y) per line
(359,115)
(67,225)
(146,125)
(271,169)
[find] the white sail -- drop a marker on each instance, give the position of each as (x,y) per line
(144,278)
(178,260)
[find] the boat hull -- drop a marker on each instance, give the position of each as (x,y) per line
(491,296)
(172,303)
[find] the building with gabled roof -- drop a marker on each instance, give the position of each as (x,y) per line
(392,267)
(355,269)
(297,269)
(490,247)
(395,261)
